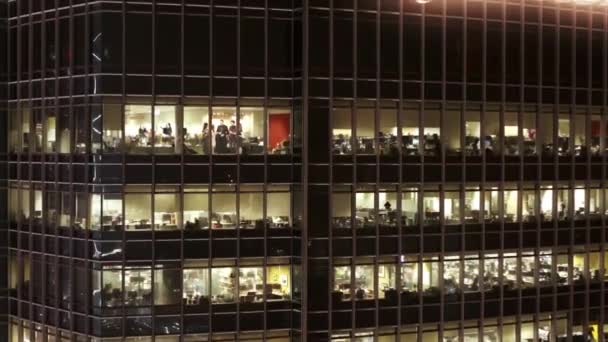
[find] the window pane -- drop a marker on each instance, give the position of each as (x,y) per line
(251,210)
(165,129)
(112,132)
(223,141)
(196,130)
(341,131)
(278,209)
(138,128)
(364,282)
(167,287)
(138,287)
(138,211)
(365,131)
(223,284)
(167,213)
(251,284)
(196,286)
(196,211)
(249,134)
(223,213)
(279,131)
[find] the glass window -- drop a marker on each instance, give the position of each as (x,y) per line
(387,280)
(594,266)
(107,287)
(364,282)
(50,130)
(106,211)
(224,140)
(138,211)
(25,137)
(387,203)
(365,131)
(249,134)
(167,286)
(596,134)
(409,207)
(511,134)
(251,210)
(492,133)
(528,268)
(491,275)
(165,129)
(196,286)
(563,204)
(196,208)
(197,133)
(251,284)
(491,206)
(278,282)
(471,277)
(223,209)
(167,213)
(472,201)
(579,203)
(410,131)
(37,206)
(529,133)
(341,131)
(430,276)
(409,275)
(387,135)
(279,131)
(432,133)
(472,126)
(563,135)
(138,128)
(342,284)
(432,207)
(278,207)
(545,268)
(529,205)
(451,206)
(563,269)
(510,271)
(223,284)
(580,143)
(546,203)
(579,269)
(595,203)
(341,209)
(545,130)
(138,287)
(365,208)
(15,135)
(451,132)
(451,275)
(63,132)
(81,129)
(38,130)
(112,131)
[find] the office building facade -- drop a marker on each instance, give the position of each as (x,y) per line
(305,170)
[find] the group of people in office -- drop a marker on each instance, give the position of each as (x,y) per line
(226,138)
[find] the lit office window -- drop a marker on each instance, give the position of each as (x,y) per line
(107,287)
(529,133)
(595,204)
(81,135)
(278,282)
(471,278)
(111,125)
(387,281)
(37,128)
(594,266)
(595,140)
(545,268)
(341,207)
(106,212)
(491,139)
(62,132)
(279,131)
(26,136)
(563,204)
(387,135)
(342,283)
(137,286)
(167,286)
(409,274)
(365,124)
(167,211)
(527,329)
(197,133)
(387,206)
(341,131)
(138,129)
(579,266)
(432,207)
(472,139)
(138,209)
(224,130)
(511,134)
(196,208)
(451,205)
(50,130)
(529,205)
(251,207)
(491,204)
(545,132)
(410,132)
(452,132)
(472,202)
(365,207)
(278,206)
(223,208)
(364,282)
(15,131)
(546,203)
(223,284)
(563,268)
(430,276)
(580,201)
(248,135)
(563,134)
(528,269)
(196,287)
(451,275)
(251,284)
(432,133)
(409,206)
(165,130)
(580,141)
(509,271)
(491,275)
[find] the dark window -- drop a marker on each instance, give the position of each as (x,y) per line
(433,49)
(343,46)
(252,46)
(319,39)
(224,45)
(366,46)
(454,49)
(168,44)
(279,47)
(582,58)
(138,43)
(531,54)
(474,50)
(412,39)
(389,47)
(196,45)
(565,57)
(549,53)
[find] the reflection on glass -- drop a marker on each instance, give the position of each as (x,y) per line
(580,147)
(545,130)
(451,132)
(111,123)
